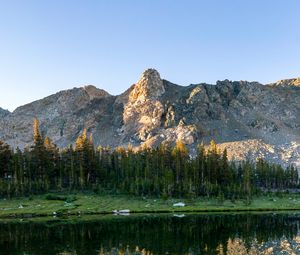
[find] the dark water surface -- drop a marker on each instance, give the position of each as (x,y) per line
(157,234)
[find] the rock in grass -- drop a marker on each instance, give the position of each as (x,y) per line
(121,212)
(124,211)
(180,204)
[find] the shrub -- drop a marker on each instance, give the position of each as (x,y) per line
(55,197)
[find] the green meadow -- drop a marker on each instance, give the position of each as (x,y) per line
(87,204)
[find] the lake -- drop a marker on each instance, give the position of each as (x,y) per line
(232,234)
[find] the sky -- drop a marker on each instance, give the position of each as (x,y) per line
(51,45)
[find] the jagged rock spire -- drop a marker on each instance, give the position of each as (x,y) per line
(150,85)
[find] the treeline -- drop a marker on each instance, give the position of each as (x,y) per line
(163,171)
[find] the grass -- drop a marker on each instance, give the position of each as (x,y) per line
(87,204)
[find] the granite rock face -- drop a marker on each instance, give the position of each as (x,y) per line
(143,111)
(3,113)
(248,118)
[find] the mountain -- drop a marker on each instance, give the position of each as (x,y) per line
(3,112)
(248,118)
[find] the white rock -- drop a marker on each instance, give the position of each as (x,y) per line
(124,211)
(180,204)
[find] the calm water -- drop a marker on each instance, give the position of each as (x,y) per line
(193,234)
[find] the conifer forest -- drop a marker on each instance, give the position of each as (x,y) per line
(165,171)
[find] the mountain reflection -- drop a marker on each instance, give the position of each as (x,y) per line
(235,246)
(241,234)
(274,247)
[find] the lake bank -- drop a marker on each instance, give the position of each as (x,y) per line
(88,204)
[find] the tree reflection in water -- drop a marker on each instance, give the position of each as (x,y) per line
(115,251)
(240,234)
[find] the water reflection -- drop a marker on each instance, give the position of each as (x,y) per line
(242,234)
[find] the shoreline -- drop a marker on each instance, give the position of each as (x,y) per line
(90,204)
(134,213)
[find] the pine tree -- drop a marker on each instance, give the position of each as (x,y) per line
(82,148)
(180,156)
(38,167)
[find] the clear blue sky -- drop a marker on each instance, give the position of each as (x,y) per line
(50,45)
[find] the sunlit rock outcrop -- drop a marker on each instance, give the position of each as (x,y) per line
(249,119)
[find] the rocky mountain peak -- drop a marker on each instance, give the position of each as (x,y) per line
(150,85)
(248,118)
(3,112)
(288,82)
(94,92)
(150,72)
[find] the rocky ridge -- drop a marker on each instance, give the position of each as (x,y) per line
(248,118)
(3,113)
